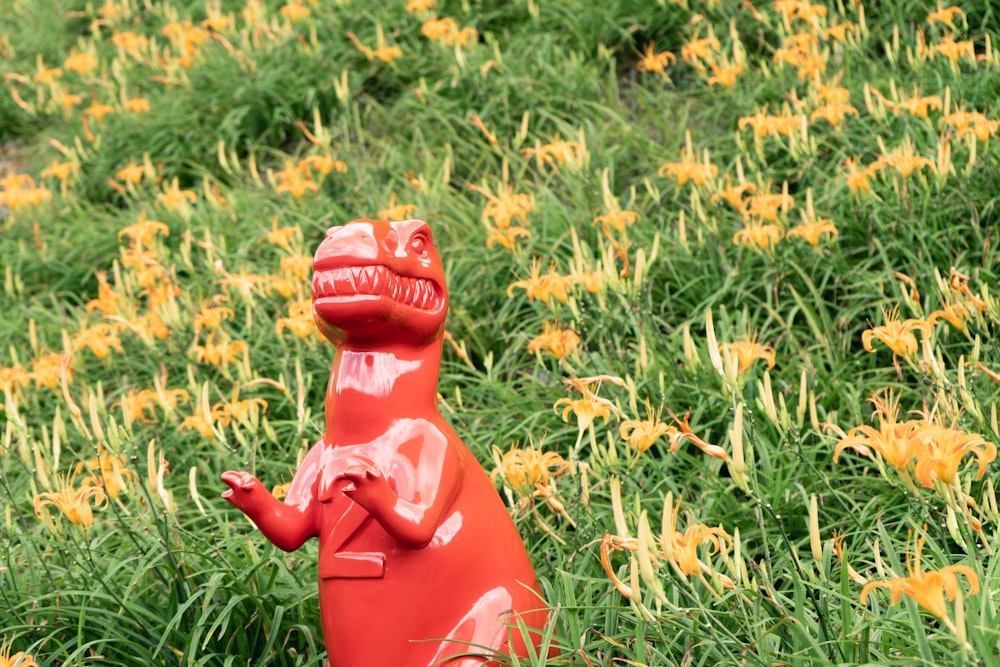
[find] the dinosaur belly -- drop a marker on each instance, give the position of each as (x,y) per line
(385,605)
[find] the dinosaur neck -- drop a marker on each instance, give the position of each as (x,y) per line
(370,387)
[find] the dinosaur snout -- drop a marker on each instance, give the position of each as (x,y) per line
(356,243)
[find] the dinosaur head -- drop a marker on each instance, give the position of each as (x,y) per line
(379,282)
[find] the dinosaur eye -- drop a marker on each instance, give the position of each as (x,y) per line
(418,244)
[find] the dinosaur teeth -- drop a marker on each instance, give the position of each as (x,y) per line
(378,281)
(372,276)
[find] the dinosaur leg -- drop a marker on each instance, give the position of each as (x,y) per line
(483,630)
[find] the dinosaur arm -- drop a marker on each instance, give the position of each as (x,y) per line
(410,522)
(286,526)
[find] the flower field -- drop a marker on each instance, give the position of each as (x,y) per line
(723,315)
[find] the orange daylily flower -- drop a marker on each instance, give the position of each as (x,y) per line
(557,341)
(136,105)
(943,450)
(957,313)
(733,194)
(295,11)
(953,50)
(591,406)
(758,234)
(107,471)
(108,301)
(682,431)
(558,150)
(765,125)
(928,588)
(918,106)
(46,75)
(896,442)
(294,182)
(811,232)
(586,409)
(130,42)
(671,545)
(896,334)
(838,32)
(904,160)
(218,354)
(211,317)
(142,232)
(530,471)
(20,659)
(323,164)
(650,61)
(642,433)
(684,546)
(100,339)
(748,350)
(396,211)
(700,50)
(724,76)
(417,6)
(300,320)
(832,93)
(768,206)
(617,220)
(504,207)
(47,370)
(860,179)
(543,287)
(81,63)
(296,266)
(690,168)
(832,113)
(282,236)
(382,52)
(131,173)
(945,15)
(75,504)
(974,122)
(173,197)
(61,170)
(505,236)
(436,29)
(98,110)
(240,410)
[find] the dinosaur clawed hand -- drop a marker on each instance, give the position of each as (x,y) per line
(244,489)
(367,486)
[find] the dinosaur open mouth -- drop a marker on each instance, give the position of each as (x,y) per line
(376,280)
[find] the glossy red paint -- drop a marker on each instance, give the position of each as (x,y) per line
(419,559)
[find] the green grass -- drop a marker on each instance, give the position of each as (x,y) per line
(170,574)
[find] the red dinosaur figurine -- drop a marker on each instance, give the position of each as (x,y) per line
(419,560)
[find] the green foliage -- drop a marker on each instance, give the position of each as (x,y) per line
(263,129)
